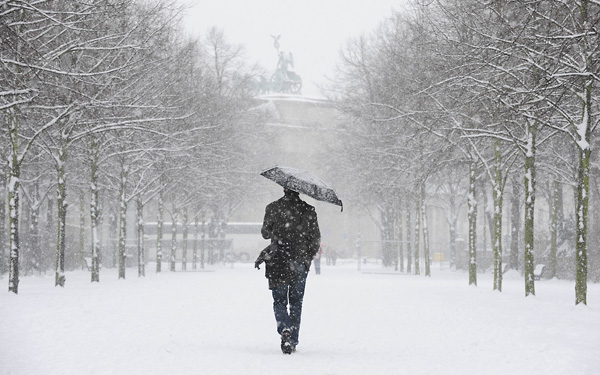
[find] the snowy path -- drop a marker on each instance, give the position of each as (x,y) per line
(221,322)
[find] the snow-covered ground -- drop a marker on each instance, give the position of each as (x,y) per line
(220,321)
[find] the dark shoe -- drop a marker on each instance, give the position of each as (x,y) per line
(286,344)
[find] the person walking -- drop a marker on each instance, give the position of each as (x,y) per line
(291,225)
(317,260)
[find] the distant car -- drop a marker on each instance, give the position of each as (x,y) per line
(246,240)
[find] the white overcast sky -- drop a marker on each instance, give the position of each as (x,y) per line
(313,30)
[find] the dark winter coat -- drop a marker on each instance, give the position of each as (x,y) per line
(292,226)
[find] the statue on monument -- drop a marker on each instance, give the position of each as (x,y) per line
(284,79)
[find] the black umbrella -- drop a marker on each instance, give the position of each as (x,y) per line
(302,182)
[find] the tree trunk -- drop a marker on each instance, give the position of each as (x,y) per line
(25,257)
(553,230)
(515,223)
(497,238)
(123,219)
(3,189)
(173,259)
(472,218)
(452,225)
(203,244)
(184,246)
(195,249)
(425,233)
(400,237)
(34,234)
(409,247)
(14,170)
(99,232)
(426,254)
(61,201)
(82,229)
(584,132)
(159,225)
(94,212)
(394,246)
(49,232)
(387,230)
(581,213)
(581,209)
(529,209)
(417,237)
(141,259)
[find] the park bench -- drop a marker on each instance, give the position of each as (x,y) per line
(87,263)
(538,271)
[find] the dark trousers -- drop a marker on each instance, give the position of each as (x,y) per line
(291,293)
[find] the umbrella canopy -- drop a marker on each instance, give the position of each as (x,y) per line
(302,182)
